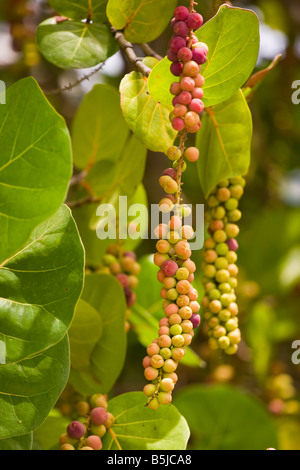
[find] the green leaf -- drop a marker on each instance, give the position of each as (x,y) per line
(145,116)
(74,44)
(233,40)
(139,428)
(222,417)
(48,433)
(30,388)
(105,294)
(35,163)
(85,331)
(141,20)
(40,287)
(224,142)
(99,131)
(17,443)
(81,9)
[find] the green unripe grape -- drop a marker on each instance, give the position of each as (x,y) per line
(169,366)
(225,299)
(231,324)
(238,180)
(210,270)
(221,263)
(172,294)
(110,420)
(165,352)
(219,331)
(223,342)
(165,205)
(235,336)
(153,404)
(178,341)
(149,390)
(212,201)
(183,166)
(232,349)
(220,236)
(225,182)
(231,204)
(214,294)
(222,249)
(236,191)
(209,286)
(166,385)
(98,400)
(213,322)
(184,210)
(225,287)
(218,212)
(171,376)
(173,153)
(82,408)
(164,398)
(231,257)
(234,216)
(233,270)
(233,282)
(173,237)
(222,275)
(232,230)
(98,430)
(109,259)
(175,329)
(182,274)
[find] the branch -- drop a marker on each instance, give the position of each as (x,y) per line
(77,82)
(127,48)
(83,201)
(149,51)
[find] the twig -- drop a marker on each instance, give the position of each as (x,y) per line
(83,201)
(127,48)
(149,51)
(70,87)
(78,178)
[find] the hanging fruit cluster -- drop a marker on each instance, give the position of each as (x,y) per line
(173,256)
(124,266)
(219,266)
(91,424)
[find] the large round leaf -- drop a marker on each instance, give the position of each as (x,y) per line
(146,117)
(105,294)
(74,44)
(233,40)
(99,130)
(137,427)
(141,20)
(39,288)
(30,388)
(222,417)
(224,142)
(35,163)
(81,9)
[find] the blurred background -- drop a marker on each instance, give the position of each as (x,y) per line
(269,253)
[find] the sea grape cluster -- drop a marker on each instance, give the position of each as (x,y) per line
(124,266)
(219,265)
(173,255)
(176,273)
(91,424)
(187,55)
